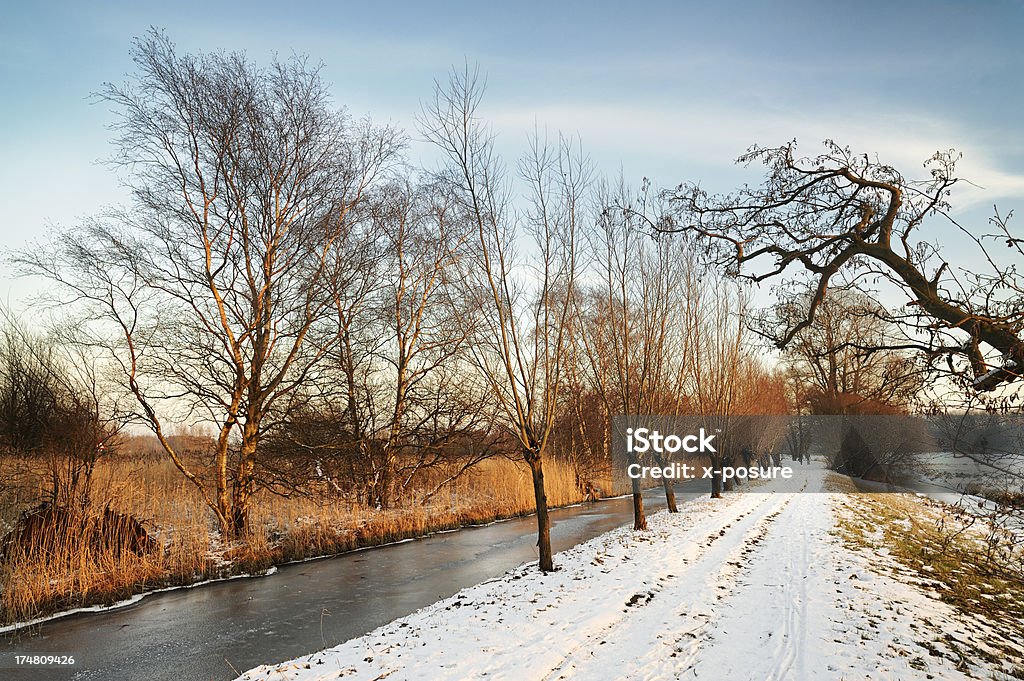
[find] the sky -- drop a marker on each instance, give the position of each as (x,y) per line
(672,91)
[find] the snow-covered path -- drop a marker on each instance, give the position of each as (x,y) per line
(753,586)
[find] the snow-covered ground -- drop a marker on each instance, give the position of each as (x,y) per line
(752,586)
(959,472)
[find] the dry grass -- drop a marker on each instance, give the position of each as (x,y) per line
(76,574)
(934,548)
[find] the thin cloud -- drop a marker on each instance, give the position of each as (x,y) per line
(714,137)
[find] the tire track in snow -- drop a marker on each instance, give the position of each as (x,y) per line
(729,586)
(682,608)
(707,529)
(772,645)
(794,620)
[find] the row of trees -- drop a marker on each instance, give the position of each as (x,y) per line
(283,276)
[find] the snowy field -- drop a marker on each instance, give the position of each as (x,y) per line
(752,586)
(959,472)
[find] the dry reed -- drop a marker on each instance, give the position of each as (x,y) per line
(72,573)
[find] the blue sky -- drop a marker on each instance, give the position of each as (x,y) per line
(673,91)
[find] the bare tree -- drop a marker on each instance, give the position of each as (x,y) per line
(424,239)
(715,375)
(521,334)
(394,402)
(208,290)
(54,409)
(584,430)
(730,390)
(634,336)
(846,217)
(826,361)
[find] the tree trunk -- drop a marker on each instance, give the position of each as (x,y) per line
(716,478)
(240,520)
(670,495)
(244,484)
(666,484)
(223,498)
(239,511)
(543,521)
(384,483)
(639,518)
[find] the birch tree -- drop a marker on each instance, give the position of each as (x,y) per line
(208,290)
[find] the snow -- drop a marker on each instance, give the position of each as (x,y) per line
(1007,368)
(751,586)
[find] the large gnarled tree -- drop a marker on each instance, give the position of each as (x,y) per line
(840,218)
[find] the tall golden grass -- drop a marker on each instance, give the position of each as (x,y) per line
(74,573)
